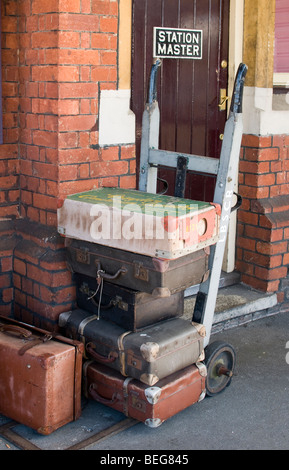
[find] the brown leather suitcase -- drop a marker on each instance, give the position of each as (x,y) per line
(40,376)
(128,308)
(137,271)
(150,405)
(148,355)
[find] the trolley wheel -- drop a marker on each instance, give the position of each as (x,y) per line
(220,359)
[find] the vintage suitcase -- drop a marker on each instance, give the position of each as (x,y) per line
(132,270)
(150,405)
(40,377)
(159,226)
(130,309)
(149,355)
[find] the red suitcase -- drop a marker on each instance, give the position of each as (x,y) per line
(40,377)
(150,405)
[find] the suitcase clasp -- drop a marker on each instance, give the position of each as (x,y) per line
(140,272)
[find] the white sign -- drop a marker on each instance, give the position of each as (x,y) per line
(175,43)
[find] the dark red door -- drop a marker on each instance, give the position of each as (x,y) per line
(189,90)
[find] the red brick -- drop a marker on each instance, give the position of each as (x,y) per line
(252,192)
(246,243)
(7,295)
(108,57)
(73,187)
(68,73)
(257,233)
(67,140)
(83,171)
(70,107)
(271,274)
(248,217)
(64,295)
(76,123)
(44,39)
(38,275)
(101,7)
(109,182)
(20,297)
(44,73)
(5,280)
(108,24)
(127,182)
(286,258)
(70,6)
(104,41)
(244,268)
(132,169)
(85,6)
(268,248)
(42,201)
(20,266)
(6,264)
(109,168)
(61,278)
(45,171)
(260,284)
(68,39)
(78,22)
(276,235)
(68,172)
(250,140)
(104,73)
(45,106)
(39,6)
(78,90)
(78,56)
(260,180)
(108,154)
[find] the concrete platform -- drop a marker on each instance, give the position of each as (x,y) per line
(236,304)
(252,413)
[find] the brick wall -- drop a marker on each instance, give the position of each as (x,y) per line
(263,220)
(57,56)
(9,161)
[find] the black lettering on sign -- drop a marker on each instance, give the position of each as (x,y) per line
(178,43)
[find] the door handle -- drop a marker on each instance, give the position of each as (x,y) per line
(223,99)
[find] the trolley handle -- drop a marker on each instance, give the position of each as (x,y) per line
(152,94)
(237,98)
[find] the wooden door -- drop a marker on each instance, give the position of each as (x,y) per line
(189,90)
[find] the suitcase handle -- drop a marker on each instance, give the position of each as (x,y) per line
(110,277)
(110,358)
(105,401)
(23,333)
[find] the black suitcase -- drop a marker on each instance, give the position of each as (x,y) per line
(149,355)
(130,309)
(140,272)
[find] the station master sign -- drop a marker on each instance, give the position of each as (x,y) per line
(177,43)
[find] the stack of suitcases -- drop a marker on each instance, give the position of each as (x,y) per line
(141,356)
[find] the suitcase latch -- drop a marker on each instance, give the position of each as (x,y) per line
(140,272)
(138,404)
(120,303)
(82,256)
(133,361)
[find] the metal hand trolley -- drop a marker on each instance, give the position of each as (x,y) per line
(220,357)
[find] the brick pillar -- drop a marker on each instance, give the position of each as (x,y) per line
(263,220)
(9,163)
(58,56)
